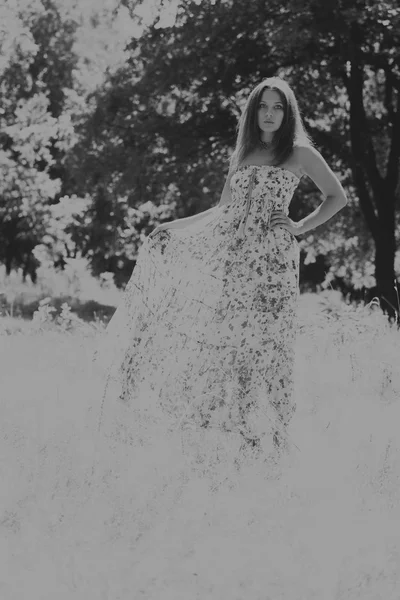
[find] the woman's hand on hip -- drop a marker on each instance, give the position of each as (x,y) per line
(279,219)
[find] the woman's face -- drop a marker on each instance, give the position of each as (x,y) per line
(270,111)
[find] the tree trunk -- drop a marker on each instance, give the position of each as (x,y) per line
(385,245)
(376,192)
(8,260)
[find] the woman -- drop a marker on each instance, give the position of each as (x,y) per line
(208,316)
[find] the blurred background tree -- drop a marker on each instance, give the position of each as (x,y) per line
(142,105)
(36,70)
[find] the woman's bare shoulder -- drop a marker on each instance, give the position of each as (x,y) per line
(301,157)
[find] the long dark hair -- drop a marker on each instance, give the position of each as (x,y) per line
(290,133)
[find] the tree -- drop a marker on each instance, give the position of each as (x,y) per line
(35,131)
(168,116)
(356,46)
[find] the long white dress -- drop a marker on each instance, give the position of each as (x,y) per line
(205,335)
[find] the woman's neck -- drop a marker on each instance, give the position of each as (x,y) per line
(268,155)
(266,137)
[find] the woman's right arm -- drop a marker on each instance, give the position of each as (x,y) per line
(226,192)
(224,199)
(185,221)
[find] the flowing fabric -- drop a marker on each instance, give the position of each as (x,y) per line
(207,324)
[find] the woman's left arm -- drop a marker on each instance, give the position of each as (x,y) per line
(314,166)
(311,163)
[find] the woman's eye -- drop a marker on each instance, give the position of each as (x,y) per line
(278,107)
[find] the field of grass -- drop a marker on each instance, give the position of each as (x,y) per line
(81,518)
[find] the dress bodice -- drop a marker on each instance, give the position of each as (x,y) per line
(256,190)
(275,184)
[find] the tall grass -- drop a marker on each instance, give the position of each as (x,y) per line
(85,517)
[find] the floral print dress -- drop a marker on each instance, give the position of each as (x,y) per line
(207,322)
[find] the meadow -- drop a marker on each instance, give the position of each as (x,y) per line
(85,519)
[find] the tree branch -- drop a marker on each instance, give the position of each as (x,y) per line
(363,149)
(389,94)
(392,173)
(366,204)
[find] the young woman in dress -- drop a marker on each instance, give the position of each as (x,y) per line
(272,151)
(209,315)
(271,132)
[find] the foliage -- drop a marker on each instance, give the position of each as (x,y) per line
(90,298)
(35,134)
(169,114)
(51,57)
(110,123)
(44,317)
